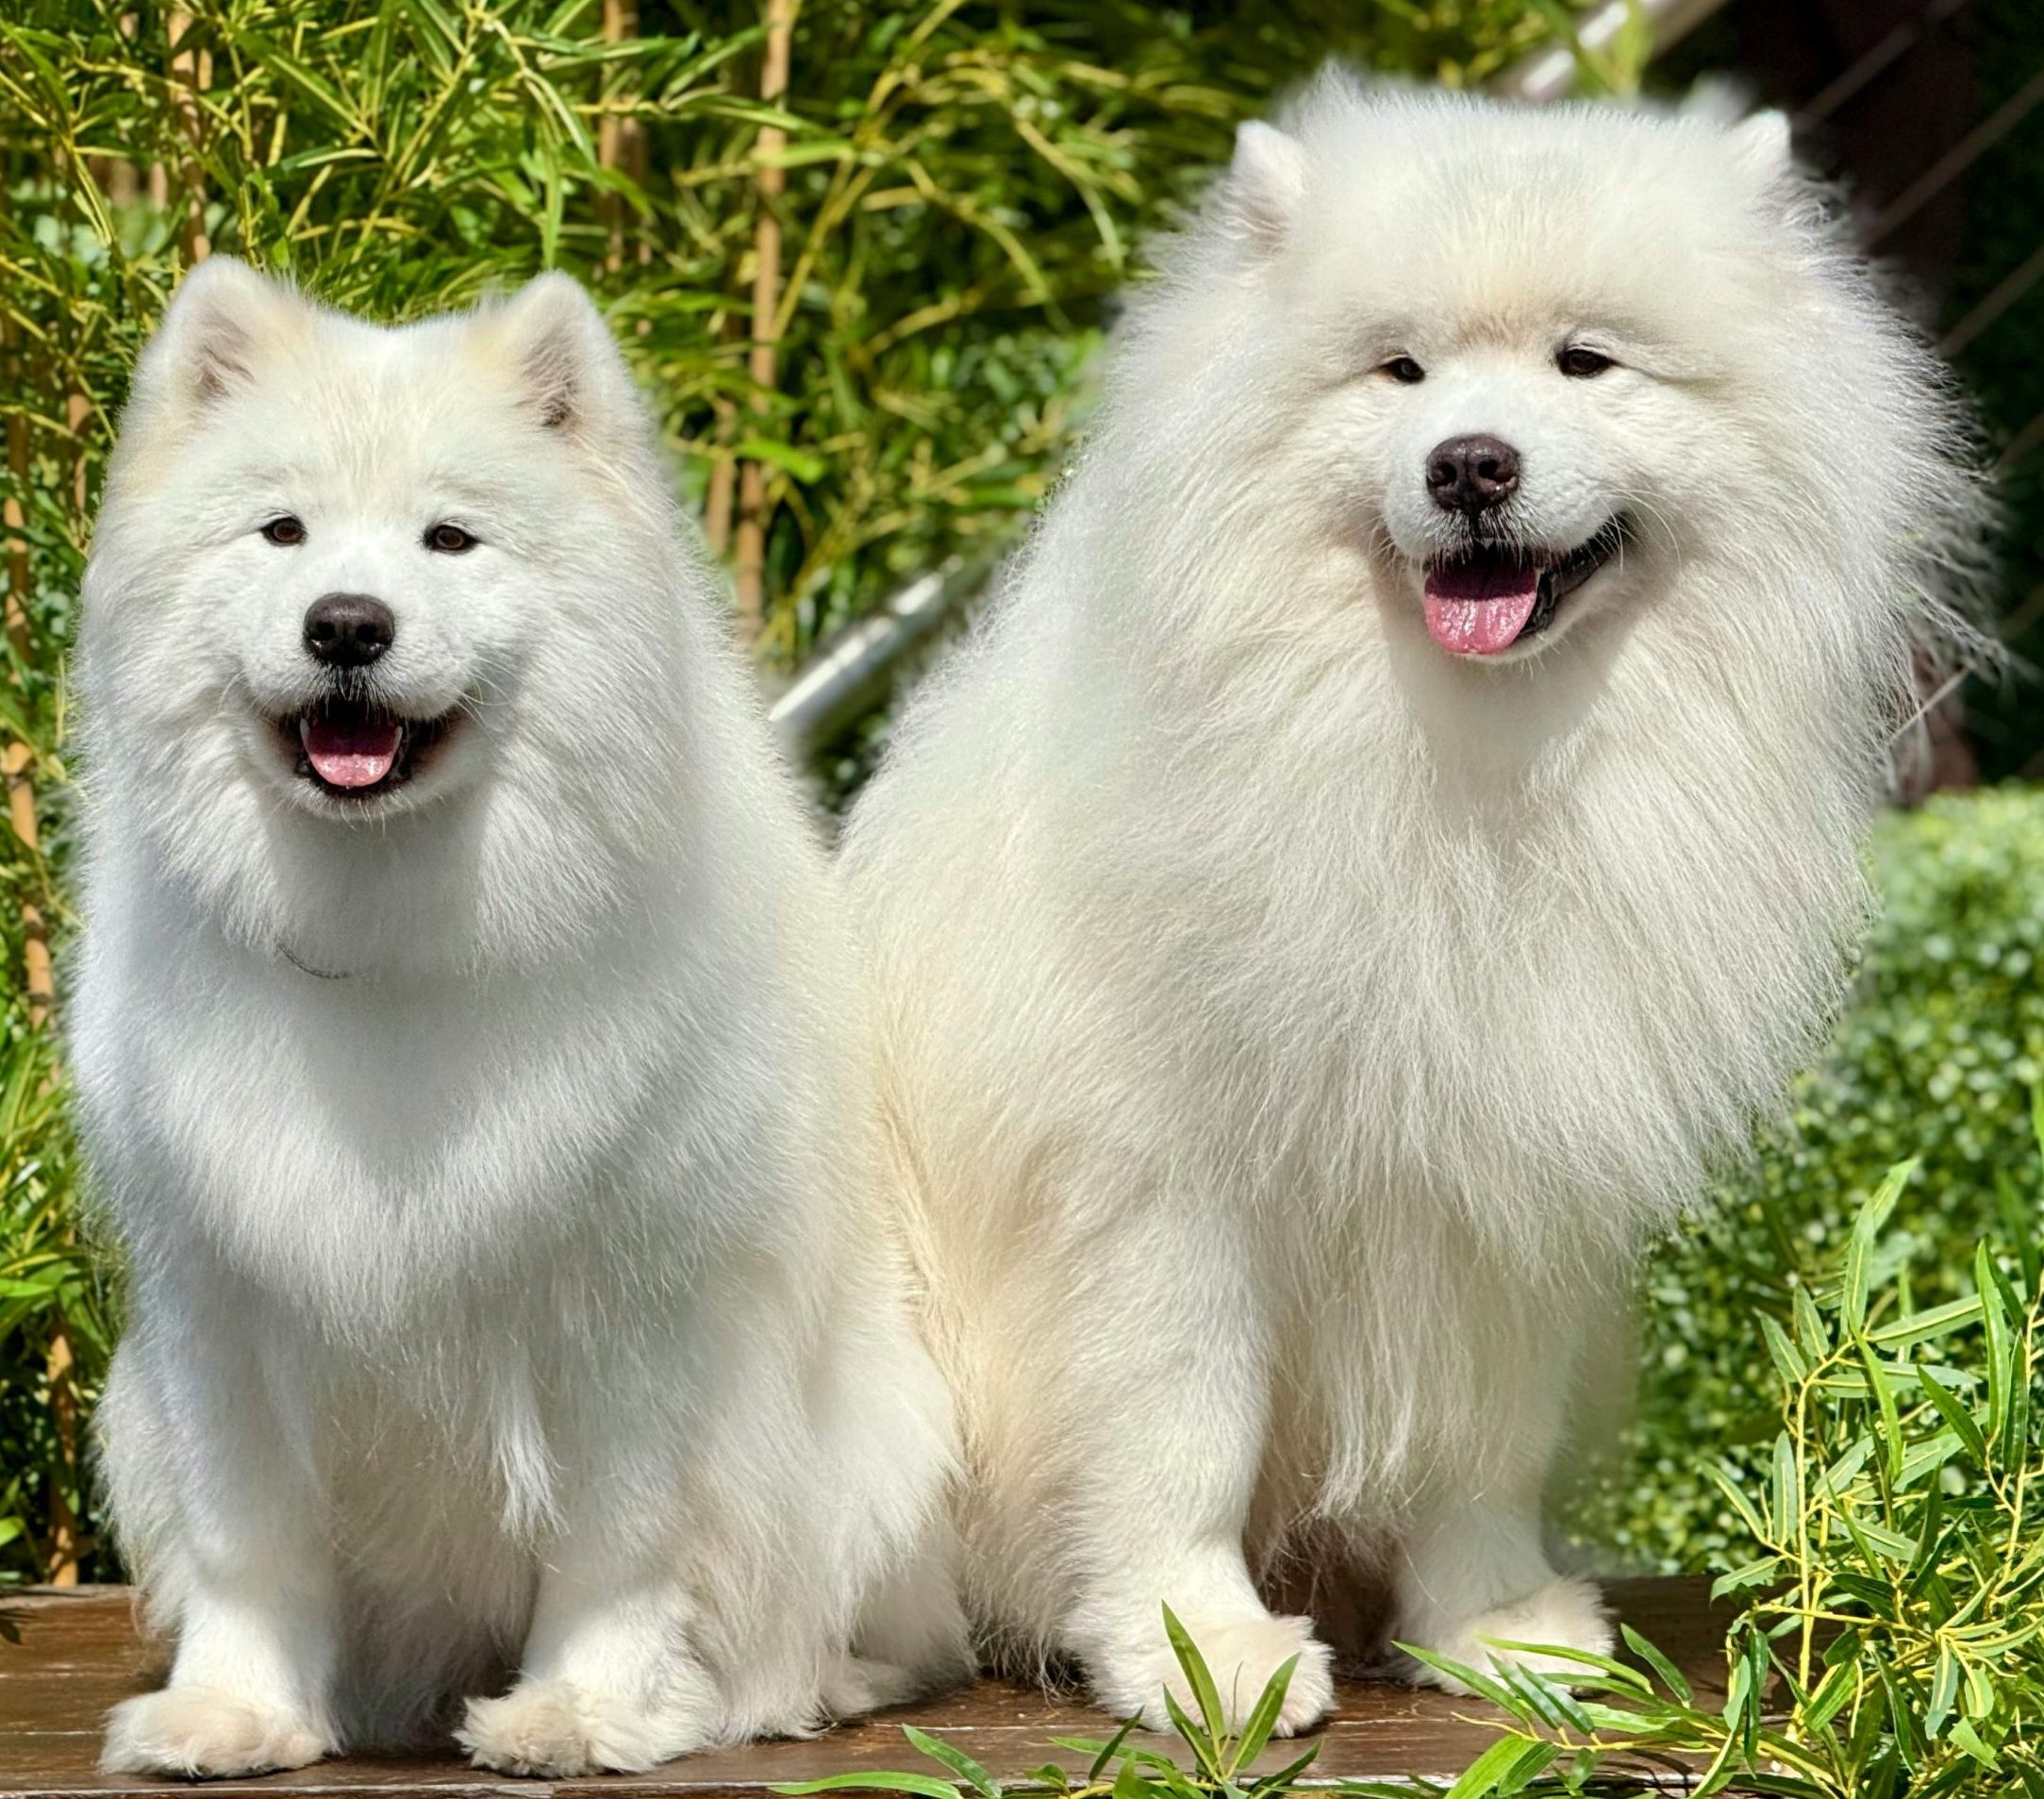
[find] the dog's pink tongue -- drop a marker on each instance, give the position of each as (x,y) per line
(1478,608)
(351,754)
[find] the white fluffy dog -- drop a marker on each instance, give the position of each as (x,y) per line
(472,1062)
(1396,832)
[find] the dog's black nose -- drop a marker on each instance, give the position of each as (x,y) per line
(348,630)
(1471,473)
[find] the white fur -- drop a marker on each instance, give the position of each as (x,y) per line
(510,1294)
(1293,1031)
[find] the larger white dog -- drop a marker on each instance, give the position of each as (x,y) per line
(471,1059)
(1397,829)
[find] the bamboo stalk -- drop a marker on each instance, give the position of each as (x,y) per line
(67,1543)
(723,488)
(763,364)
(619,22)
(38,982)
(190,70)
(66,1549)
(17,763)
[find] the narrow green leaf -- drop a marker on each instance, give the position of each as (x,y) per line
(1944,1689)
(924,1786)
(1939,1321)
(1262,1719)
(1792,1364)
(1867,1228)
(1486,1774)
(1892,1440)
(1962,1420)
(1665,1671)
(1108,1749)
(955,1759)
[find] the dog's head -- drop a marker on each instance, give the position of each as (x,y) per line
(1532,361)
(353,584)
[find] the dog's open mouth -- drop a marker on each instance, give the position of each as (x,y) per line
(1482,601)
(354,750)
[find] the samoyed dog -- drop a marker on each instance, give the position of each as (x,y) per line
(470,1058)
(1395,833)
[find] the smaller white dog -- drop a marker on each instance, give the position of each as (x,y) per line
(469,1055)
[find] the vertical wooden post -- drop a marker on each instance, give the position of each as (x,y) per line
(67,1543)
(17,760)
(762,364)
(722,487)
(619,21)
(192,69)
(17,766)
(66,1547)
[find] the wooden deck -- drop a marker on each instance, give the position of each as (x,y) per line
(66,1657)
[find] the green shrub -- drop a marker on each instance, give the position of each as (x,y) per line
(1887,1548)
(1937,1058)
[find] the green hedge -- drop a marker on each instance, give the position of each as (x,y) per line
(1938,1058)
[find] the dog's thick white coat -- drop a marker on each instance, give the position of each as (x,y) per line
(510,1294)
(1293,1031)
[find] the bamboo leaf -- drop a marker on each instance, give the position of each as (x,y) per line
(955,1759)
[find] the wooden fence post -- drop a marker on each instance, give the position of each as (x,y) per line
(190,69)
(17,767)
(772,182)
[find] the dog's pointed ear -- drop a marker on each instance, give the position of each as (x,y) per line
(1762,143)
(224,325)
(553,345)
(1262,192)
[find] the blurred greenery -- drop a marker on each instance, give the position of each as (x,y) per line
(964,186)
(1884,1551)
(1937,1059)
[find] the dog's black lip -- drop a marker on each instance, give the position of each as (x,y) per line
(417,736)
(1559,577)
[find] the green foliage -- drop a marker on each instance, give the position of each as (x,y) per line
(965,185)
(1893,1641)
(1935,1060)
(53,1289)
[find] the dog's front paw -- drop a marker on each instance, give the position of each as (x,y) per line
(1241,1652)
(854,1685)
(1564,1614)
(203,1733)
(555,1727)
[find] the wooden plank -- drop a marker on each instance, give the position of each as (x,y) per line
(65,1657)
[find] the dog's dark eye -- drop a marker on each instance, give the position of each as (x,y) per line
(1582,363)
(286,531)
(449,540)
(1404,369)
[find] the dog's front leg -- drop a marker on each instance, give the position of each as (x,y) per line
(610,1680)
(1170,1398)
(219,1502)
(1472,1572)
